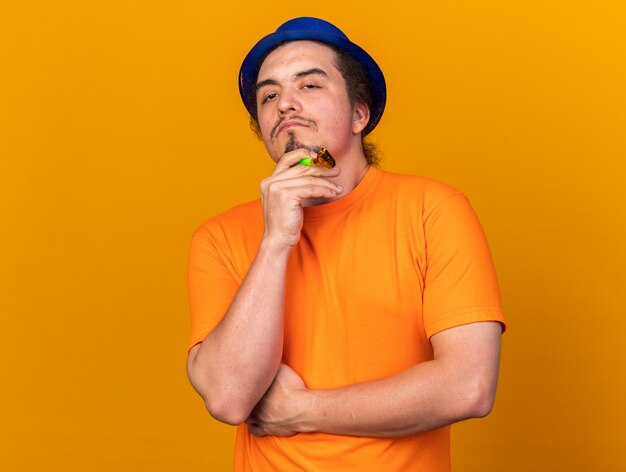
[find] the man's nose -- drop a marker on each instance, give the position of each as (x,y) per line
(289,103)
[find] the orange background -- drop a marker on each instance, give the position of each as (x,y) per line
(121,129)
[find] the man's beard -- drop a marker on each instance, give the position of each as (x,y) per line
(294,144)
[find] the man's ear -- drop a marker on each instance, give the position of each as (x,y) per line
(360,117)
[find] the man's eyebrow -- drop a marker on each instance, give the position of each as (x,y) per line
(264,83)
(313,71)
(299,75)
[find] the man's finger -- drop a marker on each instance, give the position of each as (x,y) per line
(304,187)
(299,171)
(291,158)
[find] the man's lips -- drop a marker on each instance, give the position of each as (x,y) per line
(291,123)
(285,125)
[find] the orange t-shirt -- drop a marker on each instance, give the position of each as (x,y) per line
(374,275)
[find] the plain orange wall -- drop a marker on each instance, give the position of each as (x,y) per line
(121,129)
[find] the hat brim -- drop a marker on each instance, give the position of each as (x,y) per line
(252,63)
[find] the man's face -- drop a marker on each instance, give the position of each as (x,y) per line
(302,101)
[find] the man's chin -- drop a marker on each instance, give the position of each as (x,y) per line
(292,146)
(293,143)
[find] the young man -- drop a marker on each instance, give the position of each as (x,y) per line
(346,319)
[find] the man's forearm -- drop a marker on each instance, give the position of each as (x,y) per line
(237,361)
(419,399)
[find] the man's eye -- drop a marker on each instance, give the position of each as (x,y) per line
(311,86)
(269,96)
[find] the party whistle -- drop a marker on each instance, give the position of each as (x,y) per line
(323,159)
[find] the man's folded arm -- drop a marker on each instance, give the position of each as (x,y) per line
(236,362)
(459,383)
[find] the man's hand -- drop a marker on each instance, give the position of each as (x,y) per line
(284,191)
(280,411)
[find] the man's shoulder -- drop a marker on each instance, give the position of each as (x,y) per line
(245,216)
(429,191)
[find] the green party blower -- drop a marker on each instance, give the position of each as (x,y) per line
(323,159)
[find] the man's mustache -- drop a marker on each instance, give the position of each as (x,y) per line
(301,119)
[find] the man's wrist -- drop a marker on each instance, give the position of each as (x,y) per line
(313,415)
(274,246)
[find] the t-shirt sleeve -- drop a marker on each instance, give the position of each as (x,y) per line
(460,282)
(212,286)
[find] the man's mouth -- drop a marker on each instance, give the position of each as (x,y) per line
(288,123)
